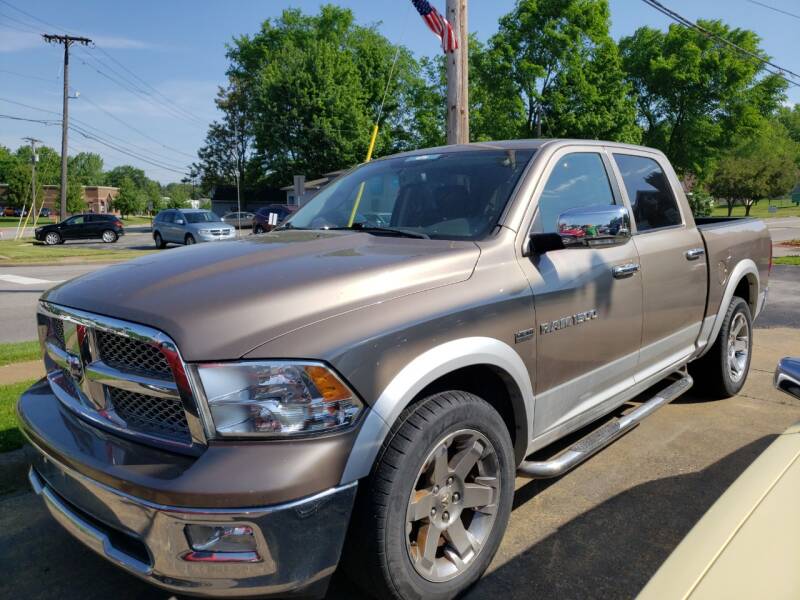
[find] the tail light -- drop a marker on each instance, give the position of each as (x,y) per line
(118,223)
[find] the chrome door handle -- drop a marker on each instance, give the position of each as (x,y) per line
(626,270)
(694,253)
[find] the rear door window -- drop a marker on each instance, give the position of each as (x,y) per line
(649,192)
(578,180)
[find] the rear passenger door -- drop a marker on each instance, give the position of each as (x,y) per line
(674,271)
(581,362)
(73,228)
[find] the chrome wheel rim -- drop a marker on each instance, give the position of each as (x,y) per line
(108,236)
(738,347)
(51,238)
(453,505)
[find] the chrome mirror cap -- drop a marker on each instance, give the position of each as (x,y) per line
(787,376)
(598,225)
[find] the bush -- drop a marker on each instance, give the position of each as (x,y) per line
(701,202)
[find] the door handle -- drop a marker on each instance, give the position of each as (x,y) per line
(694,253)
(624,271)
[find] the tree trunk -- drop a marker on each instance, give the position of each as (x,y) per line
(730,206)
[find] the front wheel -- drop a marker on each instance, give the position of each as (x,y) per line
(189,240)
(159,241)
(52,239)
(258,229)
(432,515)
(722,371)
(109,237)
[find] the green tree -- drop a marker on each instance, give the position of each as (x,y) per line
(154,196)
(19,185)
(697,96)
(762,166)
(117,175)
(48,167)
(130,200)
(87,168)
(8,161)
(76,201)
(178,194)
(564,64)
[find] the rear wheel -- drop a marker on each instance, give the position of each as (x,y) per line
(159,241)
(722,371)
(52,238)
(258,229)
(430,518)
(189,240)
(109,236)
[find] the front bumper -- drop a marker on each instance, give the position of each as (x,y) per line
(299,542)
(208,237)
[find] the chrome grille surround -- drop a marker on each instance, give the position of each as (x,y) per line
(88,385)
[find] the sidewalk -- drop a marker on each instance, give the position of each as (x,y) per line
(22,371)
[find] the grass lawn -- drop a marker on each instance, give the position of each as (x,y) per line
(786,208)
(136,221)
(787,260)
(10,436)
(12,252)
(19,352)
(13,221)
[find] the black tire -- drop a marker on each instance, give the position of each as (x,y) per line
(109,236)
(712,372)
(53,238)
(159,241)
(258,229)
(378,556)
(189,240)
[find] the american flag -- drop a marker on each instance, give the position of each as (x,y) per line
(437,24)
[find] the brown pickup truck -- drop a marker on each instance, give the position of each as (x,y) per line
(361,385)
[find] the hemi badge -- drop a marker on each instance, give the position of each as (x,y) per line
(523,336)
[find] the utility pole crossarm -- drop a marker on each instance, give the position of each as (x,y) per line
(67,41)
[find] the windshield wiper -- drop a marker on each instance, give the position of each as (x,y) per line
(384,231)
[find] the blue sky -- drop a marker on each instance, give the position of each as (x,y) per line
(177,47)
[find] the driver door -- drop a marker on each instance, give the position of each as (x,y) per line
(73,228)
(588,314)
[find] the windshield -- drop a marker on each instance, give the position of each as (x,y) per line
(205,216)
(446,195)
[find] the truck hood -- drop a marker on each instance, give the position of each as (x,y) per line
(220,300)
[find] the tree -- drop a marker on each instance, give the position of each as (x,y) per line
(48,167)
(178,194)
(557,53)
(759,167)
(87,168)
(76,202)
(697,96)
(130,199)
(19,185)
(117,175)
(153,194)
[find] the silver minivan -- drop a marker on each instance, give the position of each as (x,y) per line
(189,226)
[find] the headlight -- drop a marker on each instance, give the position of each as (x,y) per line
(277,398)
(206,231)
(39,229)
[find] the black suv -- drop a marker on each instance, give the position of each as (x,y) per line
(81,227)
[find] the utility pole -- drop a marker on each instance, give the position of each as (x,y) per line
(32,209)
(458,75)
(67,41)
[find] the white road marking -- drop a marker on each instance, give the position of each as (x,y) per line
(20,280)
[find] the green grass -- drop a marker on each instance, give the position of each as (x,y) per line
(786,208)
(136,221)
(787,260)
(10,436)
(19,352)
(13,221)
(26,252)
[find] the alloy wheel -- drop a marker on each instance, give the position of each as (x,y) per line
(109,236)
(452,508)
(738,347)
(51,239)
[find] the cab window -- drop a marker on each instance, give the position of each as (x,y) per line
(578,179)
(649,192)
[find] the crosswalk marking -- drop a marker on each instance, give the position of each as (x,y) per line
(20,280)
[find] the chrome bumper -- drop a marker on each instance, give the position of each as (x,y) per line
(299,542)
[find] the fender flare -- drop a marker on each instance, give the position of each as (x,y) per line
(421,372)
(745,268)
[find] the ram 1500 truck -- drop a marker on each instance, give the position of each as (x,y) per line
(361,385)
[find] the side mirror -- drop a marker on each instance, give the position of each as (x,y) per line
(787,376)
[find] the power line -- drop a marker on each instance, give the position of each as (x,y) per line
(779,10)
(40,121)
(780,71)
(26,76)
(30,28)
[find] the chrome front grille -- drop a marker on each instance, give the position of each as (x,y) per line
(132,355)
(121,376)
(156,416)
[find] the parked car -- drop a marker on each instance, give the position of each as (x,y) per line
(263,222)
(9,211)
(378,384)
(82,227)
(189,226)
(44,212)
(748,544)
(240,220)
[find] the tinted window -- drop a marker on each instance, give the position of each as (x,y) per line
(75,220)
(167,217)
(579,179)
(205,216)
(444,195)
(649,192)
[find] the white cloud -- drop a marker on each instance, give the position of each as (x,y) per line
(15,41)
(121,43)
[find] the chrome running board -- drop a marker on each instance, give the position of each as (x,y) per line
(603,436)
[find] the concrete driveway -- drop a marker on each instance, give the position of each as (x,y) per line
(600,531)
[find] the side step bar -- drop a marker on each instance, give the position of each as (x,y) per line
(603,436)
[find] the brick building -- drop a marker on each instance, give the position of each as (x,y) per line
(99,198)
